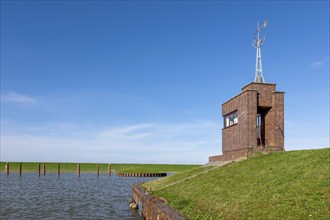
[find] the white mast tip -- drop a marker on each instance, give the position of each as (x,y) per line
(265,23)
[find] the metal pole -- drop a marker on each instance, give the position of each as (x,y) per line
(256,74)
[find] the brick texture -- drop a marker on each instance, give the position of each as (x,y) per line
(241,139)
(153,208)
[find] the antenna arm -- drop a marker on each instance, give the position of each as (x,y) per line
(254,36)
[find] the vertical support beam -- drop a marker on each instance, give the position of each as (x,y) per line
(7,168)
(44,168)
(39,169)
(97,170)
(109,169)
(78,169)
(58,169)
(20,169)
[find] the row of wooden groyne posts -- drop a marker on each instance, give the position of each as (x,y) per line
(142,174)
(149,206)
(43,171)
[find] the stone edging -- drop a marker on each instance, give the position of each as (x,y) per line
(152,208)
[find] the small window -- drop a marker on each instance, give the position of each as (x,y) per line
(258,120)
(230,119)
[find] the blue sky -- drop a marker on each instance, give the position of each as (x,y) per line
(143,81)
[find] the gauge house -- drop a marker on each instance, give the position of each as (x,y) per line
(253,121)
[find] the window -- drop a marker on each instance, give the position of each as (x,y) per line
(258,120)
(230,119)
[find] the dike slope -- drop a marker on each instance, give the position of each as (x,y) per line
(287,185)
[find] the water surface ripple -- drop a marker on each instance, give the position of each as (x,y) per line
(66,197)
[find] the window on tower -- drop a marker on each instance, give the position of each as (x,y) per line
(230,119)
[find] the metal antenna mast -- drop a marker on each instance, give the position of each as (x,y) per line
(257,42)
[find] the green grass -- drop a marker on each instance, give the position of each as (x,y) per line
(289,185)
(103,167)
(159,183)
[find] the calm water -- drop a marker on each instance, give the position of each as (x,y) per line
(66,197)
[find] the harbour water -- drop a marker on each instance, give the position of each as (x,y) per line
(66,196)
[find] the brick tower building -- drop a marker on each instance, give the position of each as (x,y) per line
(254,119)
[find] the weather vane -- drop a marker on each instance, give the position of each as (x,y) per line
(257,42)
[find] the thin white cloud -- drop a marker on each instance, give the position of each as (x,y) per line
(138,143)
(185,143)
(18,98)
(319,63)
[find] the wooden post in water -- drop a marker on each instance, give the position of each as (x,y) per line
(97,170)
(78,169)
(44,168)
(38,169)
(7,168)
(58,169)
(109,169)
(20,169)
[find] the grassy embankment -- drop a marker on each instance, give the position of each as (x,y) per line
(290,185)
(103,167)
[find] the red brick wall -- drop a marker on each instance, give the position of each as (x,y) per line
(265,91)
(152,207)
(240,140)
(216,158)
(275,134)
(239,136)
(231,155)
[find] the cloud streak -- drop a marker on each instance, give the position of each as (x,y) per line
(319,63)
(176,143)
(18,98)
(190,143)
